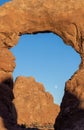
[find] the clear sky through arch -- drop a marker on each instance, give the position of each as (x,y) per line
(3,1)
(47,59)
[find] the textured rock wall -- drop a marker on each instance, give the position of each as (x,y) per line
(64,18)
(35,107)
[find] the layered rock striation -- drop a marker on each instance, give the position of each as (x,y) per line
(64,18)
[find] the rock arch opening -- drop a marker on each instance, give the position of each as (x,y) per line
(47,59)
(64,18)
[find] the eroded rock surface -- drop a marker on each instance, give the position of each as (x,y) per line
(35,107)
(65,18)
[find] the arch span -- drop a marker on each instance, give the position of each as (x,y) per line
(64,18)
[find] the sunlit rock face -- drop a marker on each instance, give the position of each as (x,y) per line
(35,107)
(65,18)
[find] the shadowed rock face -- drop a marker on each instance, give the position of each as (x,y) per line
(66,19)
(34,106)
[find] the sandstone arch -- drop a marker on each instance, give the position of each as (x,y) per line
(65,18)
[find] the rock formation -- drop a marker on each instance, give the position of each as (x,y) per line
(64,18)
(34,106)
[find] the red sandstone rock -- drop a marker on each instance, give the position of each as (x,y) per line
(34,106)
(5,75)
(65,18)
(7,63)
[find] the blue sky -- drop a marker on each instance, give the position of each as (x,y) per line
(3,1)
(47,59)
